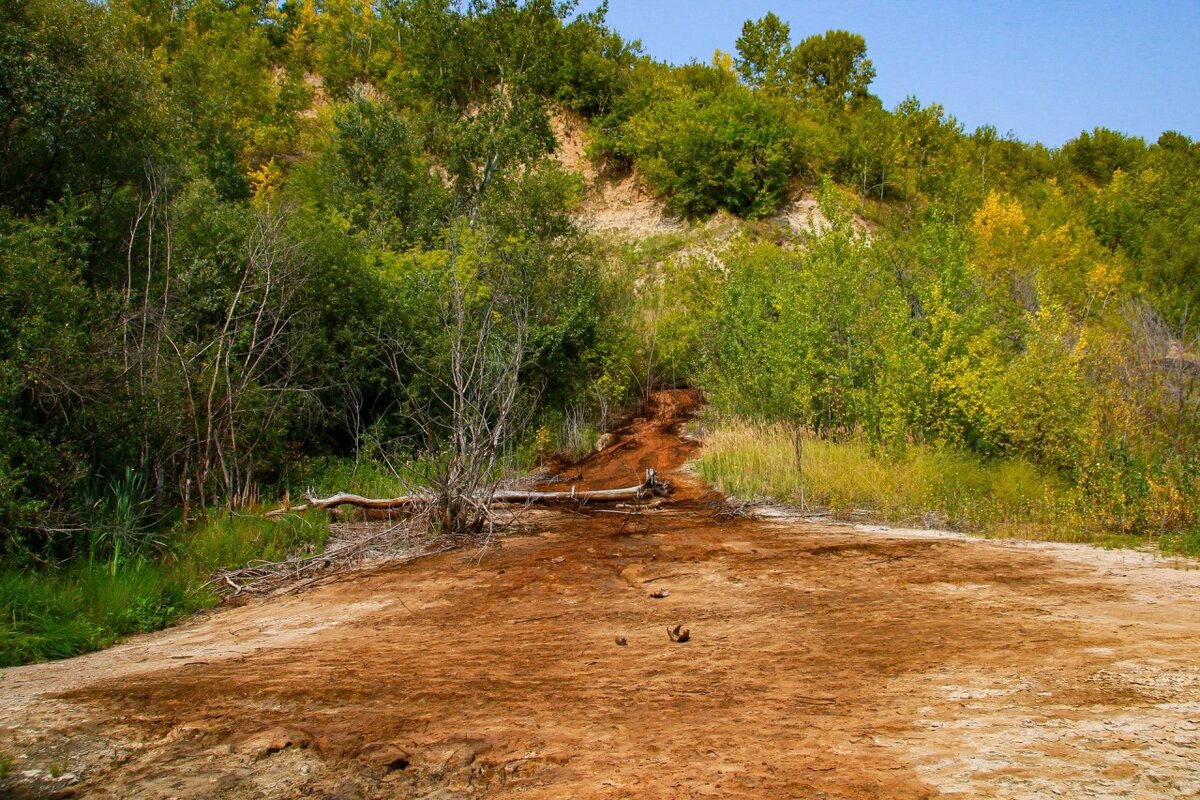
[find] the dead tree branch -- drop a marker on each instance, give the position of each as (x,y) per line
(651,487)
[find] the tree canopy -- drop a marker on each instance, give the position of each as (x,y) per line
(233,234)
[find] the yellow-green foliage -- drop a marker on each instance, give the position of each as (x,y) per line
(1042,406)
(920,485)
(682,312)
(760,461)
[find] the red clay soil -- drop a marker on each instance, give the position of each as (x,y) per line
(824,662)
(647,441)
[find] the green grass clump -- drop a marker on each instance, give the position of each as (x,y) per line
(369,477)
(91,602)
(230,541)
(1184,543)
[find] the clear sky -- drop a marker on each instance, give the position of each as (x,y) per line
(1042,70)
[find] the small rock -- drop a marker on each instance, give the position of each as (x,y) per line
(660,593)
(621,640)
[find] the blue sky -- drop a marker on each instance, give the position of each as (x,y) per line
(1043,70)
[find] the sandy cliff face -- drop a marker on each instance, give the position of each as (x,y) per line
(623,206)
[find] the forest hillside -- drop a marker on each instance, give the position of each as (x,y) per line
(250,248)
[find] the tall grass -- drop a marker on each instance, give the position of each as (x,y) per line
(1185,542)
(568,436)
(96,599)
(139,572)
(922,485)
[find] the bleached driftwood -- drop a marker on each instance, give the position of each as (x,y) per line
(651,487)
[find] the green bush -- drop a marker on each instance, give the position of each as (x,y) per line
(711,148)
(807,337)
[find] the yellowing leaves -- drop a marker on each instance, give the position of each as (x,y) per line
(723,61)
(264,181)
(1043,253)
(1042,407)
(1001,244)
(999,217)
(1104,279)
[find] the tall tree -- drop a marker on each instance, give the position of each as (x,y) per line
(762,53)
(76,111)
(831,69)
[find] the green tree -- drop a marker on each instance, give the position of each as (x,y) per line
(924,137)
(375,173)
(77,112)
(223,95)
(1102,152)
(732,148)
(53,392)
(801,337)
(596,65)
(1041,408)
(1147,214)
(831,70)
(762,53)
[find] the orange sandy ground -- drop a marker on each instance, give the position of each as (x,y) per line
(825,661)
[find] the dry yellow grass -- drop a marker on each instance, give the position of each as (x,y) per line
(921,485)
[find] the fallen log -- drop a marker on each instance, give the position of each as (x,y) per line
(651,487)
(573,496)
(347,499)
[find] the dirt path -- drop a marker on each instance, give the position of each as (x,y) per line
(824,662)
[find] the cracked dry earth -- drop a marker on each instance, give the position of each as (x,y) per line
(825,661)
